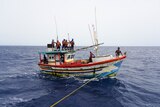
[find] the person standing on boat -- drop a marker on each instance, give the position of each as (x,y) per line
(45,59)
(52,43)
(66,44)
(72,44)
(91,56)
(69,45)
(58,45)
(118,52)
(63,44)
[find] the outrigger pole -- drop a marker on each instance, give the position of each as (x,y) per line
(88,47)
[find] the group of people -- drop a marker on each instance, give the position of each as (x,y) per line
(66,45)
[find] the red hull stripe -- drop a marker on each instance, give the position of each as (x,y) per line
(84,65)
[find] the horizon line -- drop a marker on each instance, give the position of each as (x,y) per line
(101,46)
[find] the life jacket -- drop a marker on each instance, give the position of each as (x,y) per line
(63,42)
(66,43)
(72,43)
(58,44)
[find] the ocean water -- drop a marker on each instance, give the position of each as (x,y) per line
(136,85)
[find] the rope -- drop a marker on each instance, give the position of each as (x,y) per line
(76,90)
(72,92)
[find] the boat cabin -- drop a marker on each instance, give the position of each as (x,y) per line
(56,57)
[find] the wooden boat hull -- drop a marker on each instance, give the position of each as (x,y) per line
(108,68)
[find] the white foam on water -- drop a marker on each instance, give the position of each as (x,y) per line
(12,101)
(17,99)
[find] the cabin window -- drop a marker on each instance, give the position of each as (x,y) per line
(72,56)
(68,57)
(51,57)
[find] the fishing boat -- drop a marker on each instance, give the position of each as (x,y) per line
(62,63)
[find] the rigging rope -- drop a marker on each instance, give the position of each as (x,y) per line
(72,92)
(79,88)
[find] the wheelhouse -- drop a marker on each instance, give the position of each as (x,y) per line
(56,57)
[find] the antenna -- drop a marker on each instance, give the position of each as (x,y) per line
(68,37)
(56,27)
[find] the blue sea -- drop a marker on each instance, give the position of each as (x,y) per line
(137,83)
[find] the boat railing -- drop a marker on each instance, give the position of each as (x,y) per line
(50,47)
(104,56)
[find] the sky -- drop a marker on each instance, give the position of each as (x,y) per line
(119,22)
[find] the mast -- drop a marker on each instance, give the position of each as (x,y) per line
(95,20)
(91,34)
(95,34)
(56,27)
